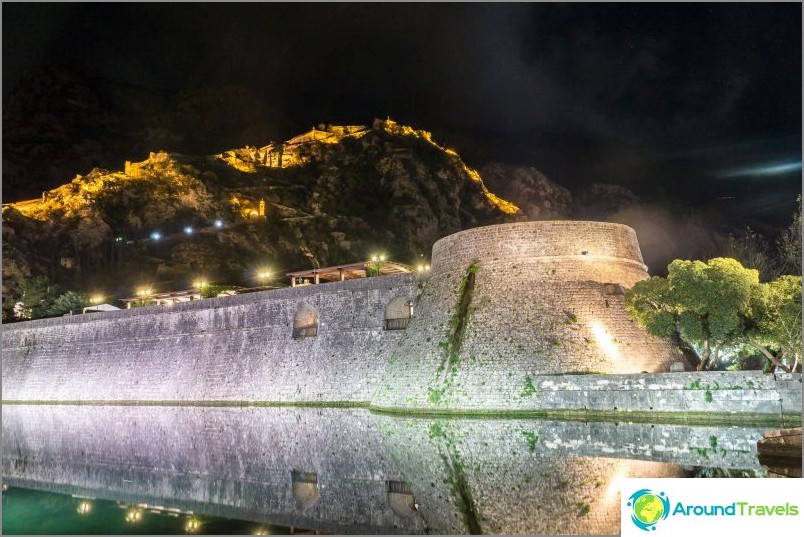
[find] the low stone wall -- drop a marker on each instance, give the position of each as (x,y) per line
(720,394)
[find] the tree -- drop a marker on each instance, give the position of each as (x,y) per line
(709,306)
(33,297)
(789,245)
(774,328)
(704,304)
(38,297)
(752,250)
(212,291)
(68,302)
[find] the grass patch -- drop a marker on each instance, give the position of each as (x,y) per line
(451,345)
(529,389)
(531,438)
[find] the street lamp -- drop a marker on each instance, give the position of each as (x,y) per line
(188,230)
(143,293)
(199,284)
(96,299)
(378,260)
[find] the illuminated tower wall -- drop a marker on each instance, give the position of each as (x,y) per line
(505,304)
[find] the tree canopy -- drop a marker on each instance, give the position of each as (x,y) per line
(38,297)
(719,304)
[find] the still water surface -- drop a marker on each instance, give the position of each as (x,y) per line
(169,470)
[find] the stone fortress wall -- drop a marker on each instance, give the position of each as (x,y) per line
(508,303)
(238,348)
(508,313)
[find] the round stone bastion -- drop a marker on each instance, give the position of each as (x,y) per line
(506,303)
(564,250)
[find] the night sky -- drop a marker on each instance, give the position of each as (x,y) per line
(684,104)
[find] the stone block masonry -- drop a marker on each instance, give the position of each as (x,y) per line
(545,298)
(515,317)
(225,349)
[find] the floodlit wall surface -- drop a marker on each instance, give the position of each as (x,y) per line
(511,302)
(513,317)
(225,349)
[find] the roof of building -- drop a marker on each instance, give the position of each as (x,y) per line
(353,270)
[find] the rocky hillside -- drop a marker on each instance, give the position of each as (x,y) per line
(537,196)
(332,195)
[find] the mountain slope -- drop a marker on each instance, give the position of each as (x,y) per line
(332,195)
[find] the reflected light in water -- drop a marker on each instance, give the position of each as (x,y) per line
(192,525)
(133,516)
(84,508)
(604,340)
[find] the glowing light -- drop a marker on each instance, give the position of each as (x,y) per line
(118,239)
(188,230)
(199,284)
(218,224)
(420,268)
(96,299)
(192,525)
(263,274)
(133,516)
(84,508)
(382,257)
(261,531)
(427,267)
(155,236)
(144,291)
(617,483)
(604,340)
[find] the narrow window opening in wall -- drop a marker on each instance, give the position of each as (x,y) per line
(305,488)
(398,313)
(611,289)
(305,322)
(400,498)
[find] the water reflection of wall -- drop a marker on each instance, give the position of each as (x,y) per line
(352,471)
(230,462)
(531,476)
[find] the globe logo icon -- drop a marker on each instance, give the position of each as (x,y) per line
(648,508)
